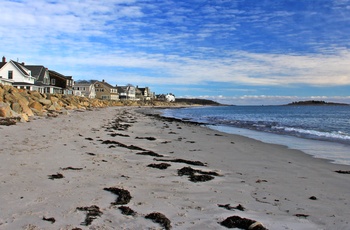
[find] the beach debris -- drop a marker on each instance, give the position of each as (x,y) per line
(124,196)
(71,168)
(242,223)
(89,139)
(118,134)
(190,171)
(197,163)
(342,172)
(160,219)
(260,181)
(150,153)
(127,211)
(147,138)
(159,166)
(92,213)
(116,143)
(200,178)
(50,219)
(56,176)
(196,175)
(301,215)
(229,207)
(91,154)
(218,135)
(313,198)
(7,121)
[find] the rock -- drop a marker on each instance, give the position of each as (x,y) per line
(36,105)
(5,110)
(25,108)
(16,107)
(45,101)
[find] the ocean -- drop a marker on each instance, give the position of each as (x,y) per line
(321,131)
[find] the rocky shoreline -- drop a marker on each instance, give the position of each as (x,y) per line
(18,105)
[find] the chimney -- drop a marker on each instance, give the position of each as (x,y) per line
(3,59)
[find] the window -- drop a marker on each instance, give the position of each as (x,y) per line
(53,81)
(10,76)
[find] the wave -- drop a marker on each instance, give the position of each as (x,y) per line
(275,127)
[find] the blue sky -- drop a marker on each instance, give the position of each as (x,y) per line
(232,51)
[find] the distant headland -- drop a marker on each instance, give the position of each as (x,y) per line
(315,103)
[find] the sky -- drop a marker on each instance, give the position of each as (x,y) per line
(243,52)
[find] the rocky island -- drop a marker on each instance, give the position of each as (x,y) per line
(313,102)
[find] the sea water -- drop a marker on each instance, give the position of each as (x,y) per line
(321,131)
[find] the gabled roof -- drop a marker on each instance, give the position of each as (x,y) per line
(106,84)
(2,64)
(56,74)
(21,68)
(38,71)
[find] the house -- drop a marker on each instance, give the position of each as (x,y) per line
(166,97)
(61,81)
(15,74)
(127,92)
(42,79)
(143,93)
(106,91)
(85,89)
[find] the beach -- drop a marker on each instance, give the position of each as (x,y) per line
(97,169)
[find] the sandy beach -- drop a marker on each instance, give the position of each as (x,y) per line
(115,168)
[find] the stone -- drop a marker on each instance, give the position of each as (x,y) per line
(16,107)
(45,101)
(36,105)
(5,110)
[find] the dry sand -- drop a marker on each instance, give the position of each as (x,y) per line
(93,153)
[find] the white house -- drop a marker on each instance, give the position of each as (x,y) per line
(170,97)
(16,74)
(84,89)
(127,92)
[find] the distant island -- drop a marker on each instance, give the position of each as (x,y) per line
(315,103)
(196,101)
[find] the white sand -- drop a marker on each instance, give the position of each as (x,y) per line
(32,151)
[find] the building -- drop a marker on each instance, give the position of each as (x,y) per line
(16,74)
(105,91)
(84,89)
(63,83)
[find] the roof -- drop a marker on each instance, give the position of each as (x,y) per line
(106,84)
(21,68)
(56,74)
(38,71)
(21,83)
(2,64)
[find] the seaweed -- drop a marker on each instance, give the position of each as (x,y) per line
(150,153)
(197,163)
(127,211)
(159,166)
(56,176)
(242,223)
(92,213)
(160,219)
(124,196)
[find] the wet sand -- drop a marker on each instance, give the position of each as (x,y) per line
(115,168)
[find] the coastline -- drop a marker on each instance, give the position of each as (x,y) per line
(273,183)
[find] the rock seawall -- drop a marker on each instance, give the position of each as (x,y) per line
(20,105)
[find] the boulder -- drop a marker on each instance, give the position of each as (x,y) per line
(5,110)
(25,108)
(45,101)
(16,107)
(36,105)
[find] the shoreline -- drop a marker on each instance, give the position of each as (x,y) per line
(273,183)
